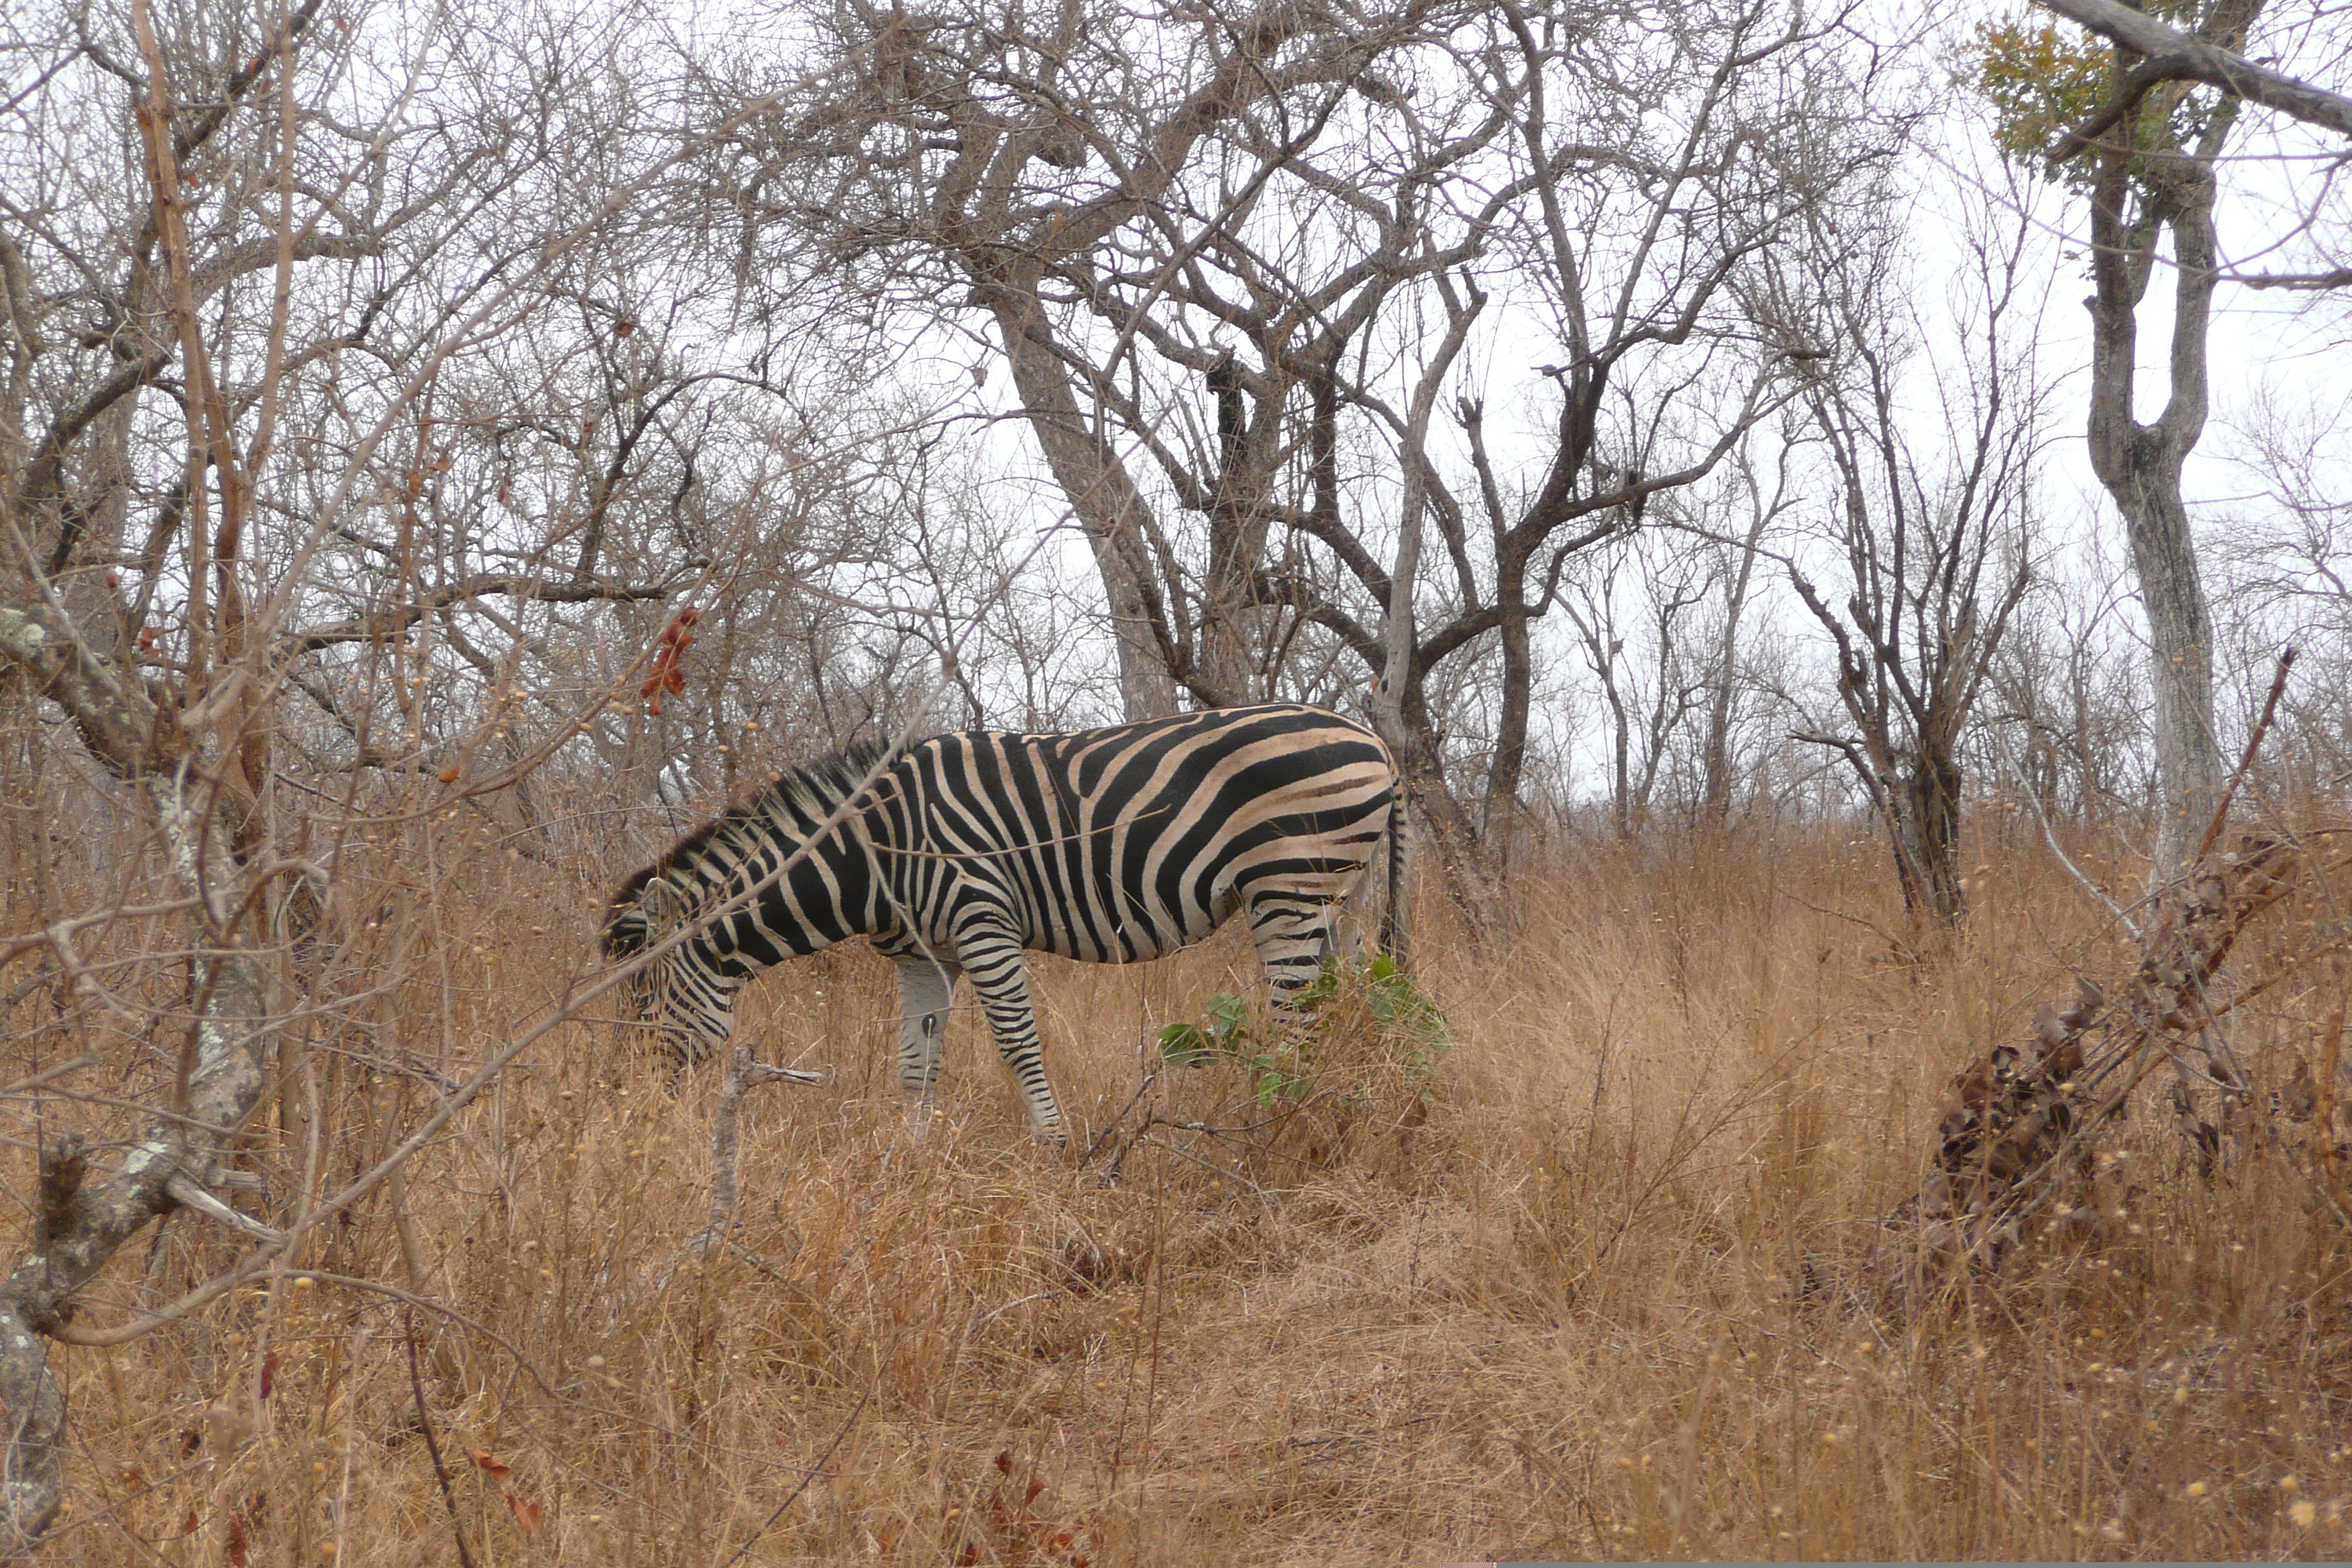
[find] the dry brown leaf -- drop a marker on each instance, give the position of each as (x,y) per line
(527,1513)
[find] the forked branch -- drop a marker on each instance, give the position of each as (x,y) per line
(2174,56)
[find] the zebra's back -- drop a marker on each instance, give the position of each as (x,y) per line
(1127,842)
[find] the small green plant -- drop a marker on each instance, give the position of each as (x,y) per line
(1275,1067)
(1221,1038)
(1405,1029)
(1408,1027)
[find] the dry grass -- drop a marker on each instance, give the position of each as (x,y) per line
(1609,1291)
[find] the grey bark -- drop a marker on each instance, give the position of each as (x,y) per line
(80,1224)
(2182,57)
(1397,640)
(1102,494)
(2135,197)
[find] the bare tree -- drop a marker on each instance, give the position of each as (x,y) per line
(1241,269)
(2286,575)
(1931,541)
(2135,196)
(2071,702)
(353,462)
(1644,714)
(1739,582)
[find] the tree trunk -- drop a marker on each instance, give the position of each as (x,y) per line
(1108,508)
(2180,642)
(1229,630)
(1620,767)
(1400,707)
(1449,827)
(1931,829)
(80,1224)
(1396,685)
(2140,464)
(1510,761)
(1714,790)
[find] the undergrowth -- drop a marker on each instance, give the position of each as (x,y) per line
(1568,1243)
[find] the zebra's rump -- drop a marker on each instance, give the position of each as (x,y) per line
(1127,842)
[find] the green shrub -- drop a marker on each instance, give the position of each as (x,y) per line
(1396,1032)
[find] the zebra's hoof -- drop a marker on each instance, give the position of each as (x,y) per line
(919,1121)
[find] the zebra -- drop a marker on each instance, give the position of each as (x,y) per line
(958,854)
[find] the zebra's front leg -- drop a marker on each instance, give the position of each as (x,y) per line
(1001,976)
(925,986)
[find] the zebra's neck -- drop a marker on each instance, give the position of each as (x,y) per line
(785,872)
(795,872)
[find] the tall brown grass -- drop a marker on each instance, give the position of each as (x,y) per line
(1613,1285)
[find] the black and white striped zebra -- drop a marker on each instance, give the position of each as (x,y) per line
(1109,845)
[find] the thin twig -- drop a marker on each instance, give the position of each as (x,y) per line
(1105,1135)
(49,1076)
(742,1072)
(1895,942)
(377,1286)
(189,1193)
(2245,762)
(433,1448)
(815,1470)
(760,1265)
(2050,838)
(982,1320)
(1213,1170)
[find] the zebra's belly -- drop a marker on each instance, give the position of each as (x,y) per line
(1146,929)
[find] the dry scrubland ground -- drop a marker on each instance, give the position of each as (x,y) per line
(1608,1290)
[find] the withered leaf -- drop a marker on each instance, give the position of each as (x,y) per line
(527,1513)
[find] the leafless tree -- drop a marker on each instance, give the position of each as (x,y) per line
(353,461)
(2285,568)
(1725,524)
(1240,269)
(1649,692)
(1930,538)
(2070,734)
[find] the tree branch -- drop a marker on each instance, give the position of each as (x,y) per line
(2125,98)
(386,623)
(88,1222)
(2313,281)
(124,729)
(2183,57)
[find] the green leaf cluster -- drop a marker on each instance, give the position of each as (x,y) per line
(2041,82)
(1377,1003)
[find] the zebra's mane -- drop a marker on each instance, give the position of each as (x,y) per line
(815,791)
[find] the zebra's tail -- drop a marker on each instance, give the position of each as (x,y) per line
(1393,935)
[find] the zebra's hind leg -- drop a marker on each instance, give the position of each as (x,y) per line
(925,986)
(1001,975)
(1294,933)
